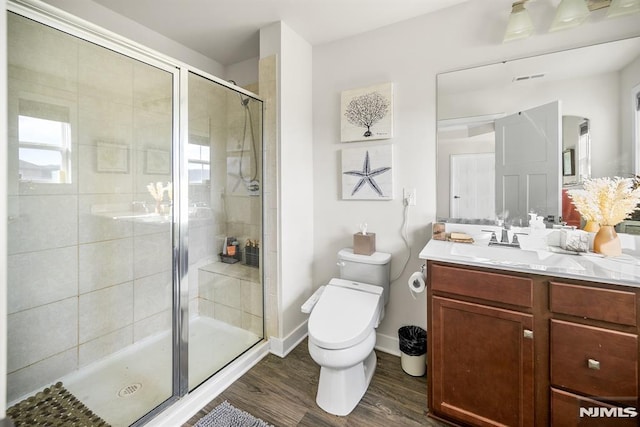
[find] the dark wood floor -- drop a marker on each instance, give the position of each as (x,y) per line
(283,392)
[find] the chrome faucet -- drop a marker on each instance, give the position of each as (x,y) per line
(504,238)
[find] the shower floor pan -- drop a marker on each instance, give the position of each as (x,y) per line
(128,384)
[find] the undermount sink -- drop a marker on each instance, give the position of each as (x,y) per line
(534,259)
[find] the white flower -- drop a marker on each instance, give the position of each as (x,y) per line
(607,201)
(157,191)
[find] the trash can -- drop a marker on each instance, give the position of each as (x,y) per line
(413,350)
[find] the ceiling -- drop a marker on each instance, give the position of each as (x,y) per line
(228,30)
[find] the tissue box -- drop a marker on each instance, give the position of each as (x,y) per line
(574,240)
(364,244)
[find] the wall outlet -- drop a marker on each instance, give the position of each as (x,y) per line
(409,196)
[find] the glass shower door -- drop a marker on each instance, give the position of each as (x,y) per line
(224,156)
(90,223)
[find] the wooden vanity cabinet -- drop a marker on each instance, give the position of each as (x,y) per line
(481,347)
(517,349)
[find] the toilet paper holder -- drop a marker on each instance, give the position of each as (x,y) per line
(416,281)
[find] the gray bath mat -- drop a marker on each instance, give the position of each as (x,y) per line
(226,415)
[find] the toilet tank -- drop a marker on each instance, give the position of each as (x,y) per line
(373,269)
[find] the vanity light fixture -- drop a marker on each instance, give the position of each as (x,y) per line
(520,25)
(623,7)
(569,14)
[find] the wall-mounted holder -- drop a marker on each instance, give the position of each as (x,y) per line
(232,252)
(252,256)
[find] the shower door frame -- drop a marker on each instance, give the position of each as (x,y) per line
(53,17)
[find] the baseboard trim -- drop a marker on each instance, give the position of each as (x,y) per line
(180,412)
(283,346)
(388,344)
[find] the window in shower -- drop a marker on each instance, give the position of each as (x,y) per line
(44,134)
(198,159)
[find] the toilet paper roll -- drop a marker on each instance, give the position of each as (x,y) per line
(416,282)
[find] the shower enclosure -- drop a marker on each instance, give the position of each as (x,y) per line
(135,221)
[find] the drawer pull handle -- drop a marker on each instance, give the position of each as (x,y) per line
(593,364)
(528,333)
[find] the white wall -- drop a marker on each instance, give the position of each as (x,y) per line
(243,73)
(295,172)
(3,209)
(123,26)
(410,54)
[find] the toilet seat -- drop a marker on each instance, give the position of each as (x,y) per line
(345,314)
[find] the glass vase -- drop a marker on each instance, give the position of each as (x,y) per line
(607,242)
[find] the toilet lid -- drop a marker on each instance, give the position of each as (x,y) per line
(343,317)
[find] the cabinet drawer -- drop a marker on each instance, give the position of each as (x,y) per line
(609,305)
(488,286)
(594,361)
(565,412)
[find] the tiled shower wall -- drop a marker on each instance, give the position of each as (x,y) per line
(229,293)
(244,212)
(82,284)
(268,93)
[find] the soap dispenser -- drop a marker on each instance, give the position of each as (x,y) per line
(536,222)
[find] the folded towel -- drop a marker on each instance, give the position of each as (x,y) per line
(574,240)
(460,238)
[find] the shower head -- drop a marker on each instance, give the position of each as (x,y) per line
(245,101)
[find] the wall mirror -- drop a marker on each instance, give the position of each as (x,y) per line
(513,135)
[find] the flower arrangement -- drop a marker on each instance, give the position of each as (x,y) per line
(607,201)
(157,192)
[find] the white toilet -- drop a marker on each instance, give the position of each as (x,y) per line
(342,328)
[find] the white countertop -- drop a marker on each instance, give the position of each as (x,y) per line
(536,257)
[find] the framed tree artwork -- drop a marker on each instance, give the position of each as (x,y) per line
(367,173)
(367,113)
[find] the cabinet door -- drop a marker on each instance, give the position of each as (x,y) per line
(482,364)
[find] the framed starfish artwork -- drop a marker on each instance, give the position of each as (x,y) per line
(367,113)
(367,173)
